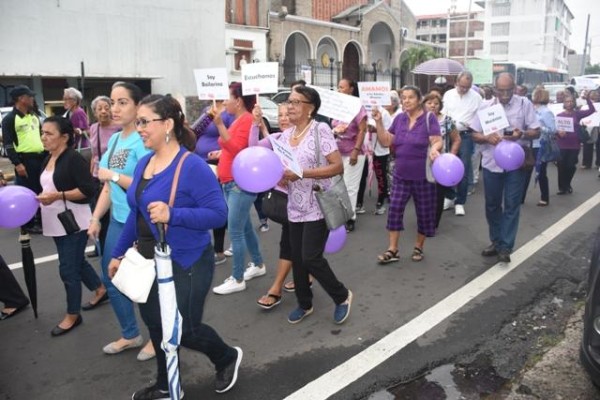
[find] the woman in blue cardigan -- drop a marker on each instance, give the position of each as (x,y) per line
(199,206)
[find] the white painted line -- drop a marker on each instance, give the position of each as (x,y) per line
(344,374)
(42,260)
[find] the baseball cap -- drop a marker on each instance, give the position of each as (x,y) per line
(19,91)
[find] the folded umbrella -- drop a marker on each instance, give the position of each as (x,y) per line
(29,270)
(169,313)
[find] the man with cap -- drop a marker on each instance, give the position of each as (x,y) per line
(23,144)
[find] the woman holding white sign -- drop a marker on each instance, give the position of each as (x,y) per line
(569,143)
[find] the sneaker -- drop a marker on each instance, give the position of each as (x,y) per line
(379,209)
(153,393)
(254,272)
(459,210)
(360,209)
(342,311)
(229,252)
(350,226)
(448,204)
(264,227)
(299,314)
(227,377)
(220,259)
(230,285)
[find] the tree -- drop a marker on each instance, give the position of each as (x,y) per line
(592,69)
(415,56)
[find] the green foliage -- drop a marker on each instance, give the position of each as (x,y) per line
(417,55)
(592,69)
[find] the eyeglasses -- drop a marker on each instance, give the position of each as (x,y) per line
(142,123)
(295,103)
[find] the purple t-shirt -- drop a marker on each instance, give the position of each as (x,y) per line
(79,120)
(102,133)
(571,140)
(347,140)
(208,140)
(302,204)
(411,145)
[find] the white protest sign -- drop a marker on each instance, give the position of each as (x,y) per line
(211,83)
(260,78)
(338,105)
(285,154)
(493,119)
(592,120)
(565,124)
(374,94)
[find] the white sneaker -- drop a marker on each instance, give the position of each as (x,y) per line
(448,204)
(229,252)
(360,209)
(459,210)
(254,272)
(230,285)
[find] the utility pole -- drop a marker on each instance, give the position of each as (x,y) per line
(585,45)
(467,33)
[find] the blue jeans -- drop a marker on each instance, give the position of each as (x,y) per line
(503,223)
(191,287)
(74,268)
(465,153)
(120,303)
(241,231)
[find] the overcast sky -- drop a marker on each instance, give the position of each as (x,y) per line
(579,8)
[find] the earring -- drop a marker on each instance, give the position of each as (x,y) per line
(167,138)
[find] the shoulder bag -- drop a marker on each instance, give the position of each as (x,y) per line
(67,219)
(428,162)
(334,202)
(274,206)
(136,274)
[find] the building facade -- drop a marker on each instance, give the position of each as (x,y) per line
(527,30)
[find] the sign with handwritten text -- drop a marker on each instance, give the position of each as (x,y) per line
(260,78)
(373,94)
(211,83)
(565,124)
(493,119)
(285,154)
(337,105)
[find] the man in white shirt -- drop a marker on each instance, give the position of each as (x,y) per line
(461,104)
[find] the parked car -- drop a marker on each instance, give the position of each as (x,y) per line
(583,83)
(590,344)
(281,96)
(270,113)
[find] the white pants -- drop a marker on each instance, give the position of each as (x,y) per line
(352,176)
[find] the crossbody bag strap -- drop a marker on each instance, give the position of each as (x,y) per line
(176,178)
(98,144)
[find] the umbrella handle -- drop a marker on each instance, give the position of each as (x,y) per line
(161,234)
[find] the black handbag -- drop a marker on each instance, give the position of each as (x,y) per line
(67,219)
(583,134)
(274,206)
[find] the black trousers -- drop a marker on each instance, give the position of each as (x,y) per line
(33,166)
(11,293)
(308,243)
(567,165)
(588,154)
(363,184)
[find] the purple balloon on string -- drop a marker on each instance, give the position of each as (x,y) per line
(256,169)
(509,155)
(448,170)
(336,240)
(17,206)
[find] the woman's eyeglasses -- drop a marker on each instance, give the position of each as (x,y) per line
(142,123)
(295,103)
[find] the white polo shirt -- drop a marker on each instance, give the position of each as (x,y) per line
(461,109)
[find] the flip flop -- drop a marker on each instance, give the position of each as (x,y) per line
(269,306)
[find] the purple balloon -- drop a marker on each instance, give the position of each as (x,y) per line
(257,169)
(509,155)
(17,206)
(336,240)
(448,170)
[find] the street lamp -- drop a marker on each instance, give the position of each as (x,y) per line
(331,60)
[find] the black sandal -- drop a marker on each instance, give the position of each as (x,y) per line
(417,255)
(269,306)
(388,256)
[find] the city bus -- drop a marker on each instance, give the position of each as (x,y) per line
(531,74)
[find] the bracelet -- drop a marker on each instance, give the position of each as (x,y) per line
(96,220)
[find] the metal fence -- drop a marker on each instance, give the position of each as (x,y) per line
(329,76)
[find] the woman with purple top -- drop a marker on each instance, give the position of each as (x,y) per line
(350,138)
(569,143)
(207,144)
(72,99)
(411,133)
(308,230)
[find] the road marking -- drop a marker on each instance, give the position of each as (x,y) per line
(42,260)
(344,374)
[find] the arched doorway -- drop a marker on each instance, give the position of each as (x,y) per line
(297,54)
(351,63)
(381,48)
(326,57)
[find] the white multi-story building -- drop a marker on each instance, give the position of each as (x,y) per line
(527,30)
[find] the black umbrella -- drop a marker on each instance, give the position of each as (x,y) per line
(29,270)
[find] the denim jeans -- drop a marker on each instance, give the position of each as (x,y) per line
(503,194)
(74,268)
(465,153)
(191,288)
(120,303)
(241,232)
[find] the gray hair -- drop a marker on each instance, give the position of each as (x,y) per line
(502,75)
(73,93)
(98,100)
(465,74)
(395,98)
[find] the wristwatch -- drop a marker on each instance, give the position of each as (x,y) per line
(115,178)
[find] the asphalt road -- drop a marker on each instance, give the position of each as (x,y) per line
(279,358)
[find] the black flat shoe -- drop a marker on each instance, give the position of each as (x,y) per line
(90,306)
(57,330)
(490,251)
(17,310)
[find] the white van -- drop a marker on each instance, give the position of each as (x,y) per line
(583,83)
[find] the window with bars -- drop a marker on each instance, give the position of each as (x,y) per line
(499,47)
(501,29)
